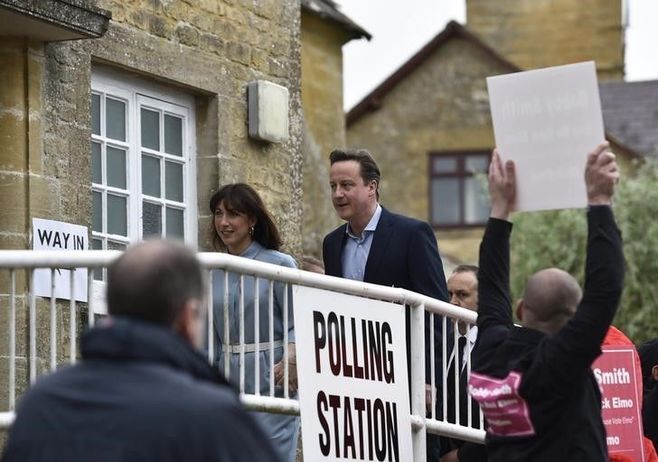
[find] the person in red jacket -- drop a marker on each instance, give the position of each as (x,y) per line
(615,337)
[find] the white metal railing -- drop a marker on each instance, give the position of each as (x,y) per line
(252,273)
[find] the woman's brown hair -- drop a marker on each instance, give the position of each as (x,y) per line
(242,198)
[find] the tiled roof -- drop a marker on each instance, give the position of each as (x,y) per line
(328,9)
(630,114)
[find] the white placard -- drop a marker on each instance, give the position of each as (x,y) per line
(352,371)
(547,121)
(56,235)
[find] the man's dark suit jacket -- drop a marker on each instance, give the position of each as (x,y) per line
(403,254)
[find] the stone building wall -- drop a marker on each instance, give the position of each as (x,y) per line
(535,34)
(322,99)
(441,106)
(210,50)
(207,49)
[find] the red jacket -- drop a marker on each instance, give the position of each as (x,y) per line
(617,337)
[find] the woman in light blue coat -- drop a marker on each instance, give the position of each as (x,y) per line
(242,226)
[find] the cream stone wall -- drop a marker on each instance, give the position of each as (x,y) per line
(322,100)
(541,33)
(210,49)
(441,106)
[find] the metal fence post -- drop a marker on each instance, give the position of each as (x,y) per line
(417,339)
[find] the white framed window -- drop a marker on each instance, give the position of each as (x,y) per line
(143,150)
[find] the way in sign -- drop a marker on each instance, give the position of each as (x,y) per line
(57,239)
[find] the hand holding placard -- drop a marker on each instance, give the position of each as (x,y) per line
(601,175)
(502,187)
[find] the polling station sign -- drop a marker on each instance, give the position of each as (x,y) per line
(57,235)
(615,371)
(352,371)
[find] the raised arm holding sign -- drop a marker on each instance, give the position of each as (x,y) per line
(534,384)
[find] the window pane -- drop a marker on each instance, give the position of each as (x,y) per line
(444,164)
(95,114)
(113,245)
(173,132)
(97,211)
(152,219)
(150,176)
(477,164)
(175,223)
(476,201)
(445,201)
(150,129)
(115,119)
(96,164)
(116,167)
(117,215)
(97,244)
(174,181)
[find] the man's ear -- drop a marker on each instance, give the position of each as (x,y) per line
(373,186)
(519,309)
(186,324)
(654,372)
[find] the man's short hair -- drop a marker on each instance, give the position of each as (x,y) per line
(466,269)
(152,281)
(368,167)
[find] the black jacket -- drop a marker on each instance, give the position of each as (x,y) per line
(403,254)
(650,415)
(139,394)
(538,394)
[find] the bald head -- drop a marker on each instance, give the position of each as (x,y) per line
(550,299)
(152,281)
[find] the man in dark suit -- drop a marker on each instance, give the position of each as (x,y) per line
(463,292)
(380,247)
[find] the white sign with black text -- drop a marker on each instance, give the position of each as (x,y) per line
(352,371)
(547,121)
(56,235)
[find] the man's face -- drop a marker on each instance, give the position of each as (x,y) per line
(463,290)
(352,198)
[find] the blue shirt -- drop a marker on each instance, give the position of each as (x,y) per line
(357,248)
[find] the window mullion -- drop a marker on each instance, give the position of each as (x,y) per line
(134,172)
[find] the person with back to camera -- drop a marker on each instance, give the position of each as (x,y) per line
(242,226)
(142,391)
(534,383)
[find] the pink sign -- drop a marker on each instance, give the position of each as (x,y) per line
(505,411)
(615,373)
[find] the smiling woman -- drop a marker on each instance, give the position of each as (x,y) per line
(242,226)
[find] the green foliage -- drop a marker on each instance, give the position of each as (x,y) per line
(557,238)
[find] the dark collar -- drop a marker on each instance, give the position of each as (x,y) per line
(118,338)
(527,335)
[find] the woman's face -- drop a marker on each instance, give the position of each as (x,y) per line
(232,227)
